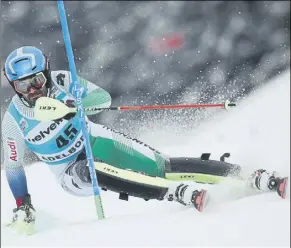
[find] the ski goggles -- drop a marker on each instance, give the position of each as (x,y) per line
(24,85)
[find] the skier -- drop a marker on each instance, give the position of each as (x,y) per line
(60,145)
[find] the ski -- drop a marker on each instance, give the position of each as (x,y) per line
(22,227)
(202,201)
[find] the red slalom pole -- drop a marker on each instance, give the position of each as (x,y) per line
(225,105)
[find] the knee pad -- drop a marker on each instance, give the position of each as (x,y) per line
(76,181)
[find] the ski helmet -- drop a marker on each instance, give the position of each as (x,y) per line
(28,72)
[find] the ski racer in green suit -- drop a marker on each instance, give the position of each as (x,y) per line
(60,145)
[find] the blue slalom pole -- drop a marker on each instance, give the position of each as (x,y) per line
(77,91)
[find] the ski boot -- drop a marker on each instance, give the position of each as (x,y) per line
(282,184)
(263,180)
(186,196)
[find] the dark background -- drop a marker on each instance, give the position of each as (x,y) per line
(149,52)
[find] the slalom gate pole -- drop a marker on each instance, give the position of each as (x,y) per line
(77,91)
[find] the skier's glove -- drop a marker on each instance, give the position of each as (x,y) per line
(23,216)
(70,104)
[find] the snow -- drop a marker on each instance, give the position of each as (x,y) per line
(256,133)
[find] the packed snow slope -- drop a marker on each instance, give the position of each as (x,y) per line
(256,133)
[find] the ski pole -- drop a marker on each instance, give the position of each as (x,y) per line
(225,105)
(51,109)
